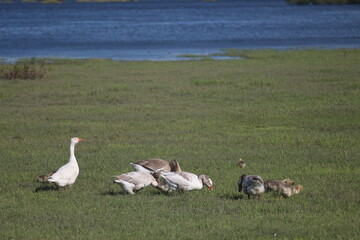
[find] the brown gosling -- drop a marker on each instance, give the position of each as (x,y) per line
(274,185)
(288,190)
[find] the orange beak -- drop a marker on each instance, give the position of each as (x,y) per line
(80,139)
(210,187)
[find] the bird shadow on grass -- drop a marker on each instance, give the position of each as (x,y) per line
(232,196)
(46,188)
(112,193)
(163,193)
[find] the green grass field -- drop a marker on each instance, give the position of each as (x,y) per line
(288,114)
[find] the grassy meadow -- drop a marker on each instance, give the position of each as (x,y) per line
(288,114)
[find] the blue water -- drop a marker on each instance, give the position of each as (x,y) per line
(163,29)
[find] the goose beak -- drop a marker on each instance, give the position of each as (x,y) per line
(80,139)
(210,187)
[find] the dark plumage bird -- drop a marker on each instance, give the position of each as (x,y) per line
(251,185)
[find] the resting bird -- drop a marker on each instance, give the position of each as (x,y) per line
(134,181)
(274,185)
(156,164)
(288,190)
(285,187)
(185,181)
(251,185)
(67,174)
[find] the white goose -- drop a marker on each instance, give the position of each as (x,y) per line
(155,165)
(251,185)
(134,181)
(67,174)
(185,181)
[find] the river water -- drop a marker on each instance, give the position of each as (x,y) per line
(163,29)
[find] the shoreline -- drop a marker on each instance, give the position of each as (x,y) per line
(164,54)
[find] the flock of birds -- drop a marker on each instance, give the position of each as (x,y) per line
(168,176)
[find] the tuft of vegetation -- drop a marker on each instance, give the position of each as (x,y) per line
(287,114)
(25,69)
(192,56)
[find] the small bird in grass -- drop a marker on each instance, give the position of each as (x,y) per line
(241,163)
(67,174)
(251,185)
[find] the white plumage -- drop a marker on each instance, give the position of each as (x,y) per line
(186,181)
(67,174)
(134,181)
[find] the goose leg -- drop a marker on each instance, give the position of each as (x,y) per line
(131,191)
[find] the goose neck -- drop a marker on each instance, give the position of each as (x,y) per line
(72,152)
(201,180)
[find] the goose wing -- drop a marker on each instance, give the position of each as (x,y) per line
(151,165)
(181,180)
(250,179)
(136,178)
(184,177)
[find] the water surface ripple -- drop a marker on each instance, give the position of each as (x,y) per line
(162,29)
